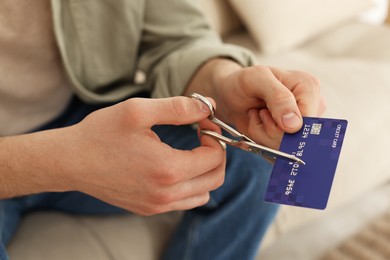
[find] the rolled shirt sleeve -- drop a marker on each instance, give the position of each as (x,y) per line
(176,42)
(103,43)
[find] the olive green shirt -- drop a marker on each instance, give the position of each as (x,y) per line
(103,43)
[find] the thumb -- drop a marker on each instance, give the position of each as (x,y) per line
(279,99)
(174,111)
(283,105)
(284,109)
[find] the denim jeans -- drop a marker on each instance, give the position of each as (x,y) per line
(230,226)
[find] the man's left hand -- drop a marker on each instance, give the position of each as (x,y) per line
(262,102)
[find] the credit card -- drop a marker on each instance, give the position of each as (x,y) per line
(318,144)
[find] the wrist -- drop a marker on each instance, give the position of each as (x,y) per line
(207,80)
(30,164)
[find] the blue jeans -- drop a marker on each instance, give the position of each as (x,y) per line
(230,226)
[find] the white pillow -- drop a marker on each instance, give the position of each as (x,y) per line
(278,25)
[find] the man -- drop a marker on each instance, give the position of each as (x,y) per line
(77,137)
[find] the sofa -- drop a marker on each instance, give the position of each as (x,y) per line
(352,61)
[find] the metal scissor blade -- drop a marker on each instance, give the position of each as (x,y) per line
(252,147)
(230,130)
(263,150)
(222,138)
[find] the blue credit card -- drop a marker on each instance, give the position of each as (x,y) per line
(318,144)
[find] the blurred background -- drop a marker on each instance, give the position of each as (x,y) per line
(377,13)
(346,45)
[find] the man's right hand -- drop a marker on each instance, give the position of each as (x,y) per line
(114,155)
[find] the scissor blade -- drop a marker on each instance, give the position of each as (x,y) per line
(220,137)
(263,150)
(252,147)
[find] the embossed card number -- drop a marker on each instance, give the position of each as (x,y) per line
(318,144)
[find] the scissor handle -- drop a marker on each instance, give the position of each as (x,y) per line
(218,122)
(206,102)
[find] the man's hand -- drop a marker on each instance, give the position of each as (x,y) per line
(114,155)
(262,102)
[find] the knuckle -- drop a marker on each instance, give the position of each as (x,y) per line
(153,210)
(133,111)
(309,80)
(261,68)
(315,81)
(161,198)
(143,213)
(204,199)
(219,182)
(166,176)
(164,172)
(165,198)
(314,84)
(218,157)
(158,210)
(281,96)
(245,77)
(148,211)
(145,210)
(312,80)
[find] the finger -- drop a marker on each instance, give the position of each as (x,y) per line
(204,183)
(179,166)
(311,105)
(143,209)
(207,140)
(201,184)
(173,195)
(174,111)
(201,160)
(305,88)
(279,99)
(263,129)
(189,203)
(322,107)
(271,128)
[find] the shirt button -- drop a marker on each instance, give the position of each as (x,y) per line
(139,77)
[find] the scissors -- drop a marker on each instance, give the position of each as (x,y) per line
(243,142)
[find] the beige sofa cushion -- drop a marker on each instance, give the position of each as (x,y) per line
(59,236)
(356,84)
(279,25)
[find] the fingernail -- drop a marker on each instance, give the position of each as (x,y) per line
(291,120)
(203,107)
